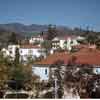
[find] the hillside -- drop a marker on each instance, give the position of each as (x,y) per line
(23,31)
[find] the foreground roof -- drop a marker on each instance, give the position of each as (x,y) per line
(51,59)
(84,56)
(87,56)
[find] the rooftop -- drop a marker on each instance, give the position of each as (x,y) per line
(87,56)
(84,56)
(51,59)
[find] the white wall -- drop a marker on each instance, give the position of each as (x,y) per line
(12,49)
(41,72)
(96,70)
(33,52)
(34,39)
(62,43)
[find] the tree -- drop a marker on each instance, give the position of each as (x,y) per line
(5,72)
(13,39)
(47,45)
(52,32)
(91,38)
(20,72)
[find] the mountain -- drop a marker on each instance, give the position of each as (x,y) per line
(23,31)
(29,30)
(21,28)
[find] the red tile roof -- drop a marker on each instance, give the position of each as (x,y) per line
(87,56)
(84,56)
(51,59)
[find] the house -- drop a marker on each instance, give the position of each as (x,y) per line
(25,51)
(45,68)
(5,52)
(37,38)
(41,70)
(90,57)
(12,49)
(85,57)
(64,42)
(80,38)
(31,51)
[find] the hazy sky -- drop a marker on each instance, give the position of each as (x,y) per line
(60,12)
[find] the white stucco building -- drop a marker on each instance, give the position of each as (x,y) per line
(64,42)
(37,38)
(25,51)
(42,71)
(96,70)
(5,52)
(12,50)
(31,51)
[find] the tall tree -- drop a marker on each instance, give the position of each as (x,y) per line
(13,38)
(52,32)
(47,45)
(21,73)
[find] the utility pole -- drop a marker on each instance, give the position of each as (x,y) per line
(56,88)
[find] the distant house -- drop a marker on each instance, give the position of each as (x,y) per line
(31,51)
(12,50)
(25,51)
(5,52)
(64,42)
(37,38)
(90,57)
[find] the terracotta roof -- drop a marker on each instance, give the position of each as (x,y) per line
(84,56)
(28,46)
(87,56)
(51,59)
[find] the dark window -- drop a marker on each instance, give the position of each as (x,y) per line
(45,71)
(10,52)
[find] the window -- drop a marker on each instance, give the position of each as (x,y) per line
(45,71)
(10,52)
(21,51)
(30,51)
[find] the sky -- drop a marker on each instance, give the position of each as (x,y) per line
(71,13)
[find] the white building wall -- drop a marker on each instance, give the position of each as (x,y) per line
(33,52)
(96,70)
(42,72)
(62,43)
(5,52)
(12,50)
(34,39)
